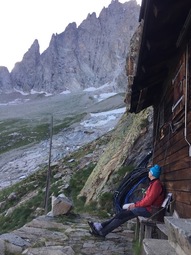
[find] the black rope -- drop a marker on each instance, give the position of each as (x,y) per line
(131,183)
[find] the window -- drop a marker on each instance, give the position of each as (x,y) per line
(178,83)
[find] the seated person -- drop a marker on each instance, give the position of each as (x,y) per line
(154,197)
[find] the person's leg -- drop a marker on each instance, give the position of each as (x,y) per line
(105,223)
(141,211)
(97,226)
(119,219)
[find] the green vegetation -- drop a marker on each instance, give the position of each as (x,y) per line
(106,202)
(67,122)
(29,198)
(76,184)
(24,212)
(16,133)
(121,173)
(32,190)
(137,247)
(16,219)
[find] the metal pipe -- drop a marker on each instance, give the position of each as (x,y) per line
(186,104)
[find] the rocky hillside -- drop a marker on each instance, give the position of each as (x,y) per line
(24,232)
(90,175)
(92,54)
(99,163)
(130,143)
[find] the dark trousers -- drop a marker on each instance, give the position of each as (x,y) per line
(121,217)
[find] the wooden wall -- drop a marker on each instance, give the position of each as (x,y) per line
(171,151)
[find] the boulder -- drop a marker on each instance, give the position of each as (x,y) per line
(60,205)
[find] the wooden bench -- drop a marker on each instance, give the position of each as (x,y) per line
(145,226)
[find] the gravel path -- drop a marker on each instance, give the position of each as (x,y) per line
(44,235)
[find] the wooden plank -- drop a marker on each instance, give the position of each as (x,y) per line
(169,145)
(183,210)
(179,185)
(175,143)
(183,197)
(173,140)
(183,164)
(148,231)
(141,229)
(178,155)
(172,165)
(172,153)
(183,174)
(163,233)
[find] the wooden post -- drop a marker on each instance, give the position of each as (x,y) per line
(148,231)
(49,168)
(141,232)
(137,229)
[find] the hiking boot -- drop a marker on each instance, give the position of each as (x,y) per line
(93,231)
(96,234)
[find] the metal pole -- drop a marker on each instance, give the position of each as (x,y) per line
(49,168)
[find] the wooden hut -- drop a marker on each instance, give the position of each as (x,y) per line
(163,80)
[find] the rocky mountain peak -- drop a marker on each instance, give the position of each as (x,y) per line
(90,55)
(5,80)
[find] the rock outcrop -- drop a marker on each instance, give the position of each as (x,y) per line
(130,143)
(92,54)
(26,73)
(5,80)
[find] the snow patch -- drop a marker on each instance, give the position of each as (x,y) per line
(104,96)
(115,111)
(33,92)
(92,89)
(15,102)
(21,92)
(102,118)
(65,92)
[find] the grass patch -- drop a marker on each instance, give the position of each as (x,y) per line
(24,213)
(137,247)
(121,173)
(16,133)
(21,133)
(76,184)
(67,122)
(16,220)
(37,182)
(106,202)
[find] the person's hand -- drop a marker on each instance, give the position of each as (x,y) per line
(131,207)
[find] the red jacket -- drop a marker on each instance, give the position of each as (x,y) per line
(154,196)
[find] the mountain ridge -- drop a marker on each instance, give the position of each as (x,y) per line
(90,55)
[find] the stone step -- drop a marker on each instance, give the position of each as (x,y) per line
(179,234)
(162,231)
(157,247)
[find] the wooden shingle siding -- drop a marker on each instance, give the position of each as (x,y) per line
(171,150)
(163,80)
